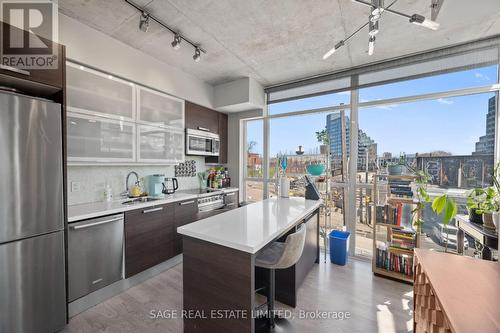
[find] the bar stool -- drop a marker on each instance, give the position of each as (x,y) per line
(280,255)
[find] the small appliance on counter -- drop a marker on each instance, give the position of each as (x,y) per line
(154,185)
(170,185)
(157,185)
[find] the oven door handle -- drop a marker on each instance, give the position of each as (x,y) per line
(209,208)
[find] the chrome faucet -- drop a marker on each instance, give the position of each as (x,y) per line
(127,190)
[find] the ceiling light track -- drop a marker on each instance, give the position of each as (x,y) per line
(377,9)
(178,38)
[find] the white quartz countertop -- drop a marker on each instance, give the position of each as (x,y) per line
(252,227)
(98,209)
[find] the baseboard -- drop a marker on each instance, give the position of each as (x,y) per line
(99,296)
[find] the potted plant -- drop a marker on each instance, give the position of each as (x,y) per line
(316,168)
(399,168)
(489,207)
(475,198)
(423,178)
(441,204)
(323,138)
(486,201)
(448,207)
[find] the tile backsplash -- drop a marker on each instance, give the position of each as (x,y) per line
(93,179)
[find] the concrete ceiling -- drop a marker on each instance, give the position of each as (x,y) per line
(280,40)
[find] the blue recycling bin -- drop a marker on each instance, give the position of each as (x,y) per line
(339,247)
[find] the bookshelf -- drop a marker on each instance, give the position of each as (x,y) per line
(394,202)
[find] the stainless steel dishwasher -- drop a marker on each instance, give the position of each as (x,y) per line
(95,255)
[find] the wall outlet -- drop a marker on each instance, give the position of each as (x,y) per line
(75,186)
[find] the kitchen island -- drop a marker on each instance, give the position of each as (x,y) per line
(219,274)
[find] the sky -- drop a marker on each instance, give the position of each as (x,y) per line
(449,124)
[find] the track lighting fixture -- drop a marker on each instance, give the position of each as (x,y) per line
(372,28)
(420,20)
(371,45)
(144,22)
(178,38)
(377,9)
(176,44)
(335,48)
(197,55)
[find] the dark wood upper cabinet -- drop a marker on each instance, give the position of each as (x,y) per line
(149,237)
(50,77)
(223,138)
(200,117)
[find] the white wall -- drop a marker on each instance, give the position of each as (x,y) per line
(94,48)
(93,179)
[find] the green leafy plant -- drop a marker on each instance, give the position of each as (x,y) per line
(487,199)
(423,179)
(441,204)
(322,137)
(448,207)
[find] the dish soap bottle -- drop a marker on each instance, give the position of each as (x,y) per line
(108,193)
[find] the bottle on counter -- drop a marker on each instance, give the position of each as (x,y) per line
(108,193)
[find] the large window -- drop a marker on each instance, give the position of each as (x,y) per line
(437,112)
(310,103)
(254,159)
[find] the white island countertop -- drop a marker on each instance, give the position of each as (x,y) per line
(252,227)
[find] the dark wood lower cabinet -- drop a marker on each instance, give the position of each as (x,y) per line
(184,212)
(151,233)
(149,237)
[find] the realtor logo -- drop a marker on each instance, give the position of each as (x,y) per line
(27,34)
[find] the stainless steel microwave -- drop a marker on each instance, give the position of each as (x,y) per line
(202,143)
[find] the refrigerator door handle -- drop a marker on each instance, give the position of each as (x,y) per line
(89,225)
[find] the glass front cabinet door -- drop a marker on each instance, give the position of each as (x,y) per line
(160,145)
(160,110)
(96,93)
(97,139)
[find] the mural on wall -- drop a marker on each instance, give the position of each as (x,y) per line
(458,171)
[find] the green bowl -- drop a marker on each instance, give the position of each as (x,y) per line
(316,169)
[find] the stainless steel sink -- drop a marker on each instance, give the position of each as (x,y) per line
(139,200)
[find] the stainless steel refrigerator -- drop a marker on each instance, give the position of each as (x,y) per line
(32,273)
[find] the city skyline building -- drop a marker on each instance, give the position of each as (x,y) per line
(486,143)
(367,147)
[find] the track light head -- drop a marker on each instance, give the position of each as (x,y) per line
(371,45)
(420,20)
(176,44)
(373,28)
(332,51)
(144,22)
(377,10)
(197,55)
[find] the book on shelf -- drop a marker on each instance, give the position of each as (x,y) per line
(401,188)
(403,240)
(398,214)
(394,262)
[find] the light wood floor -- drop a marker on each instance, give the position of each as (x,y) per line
(375,304)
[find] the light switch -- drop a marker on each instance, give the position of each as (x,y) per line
(75,186)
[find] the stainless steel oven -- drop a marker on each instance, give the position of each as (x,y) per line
(202,143)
